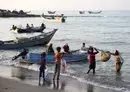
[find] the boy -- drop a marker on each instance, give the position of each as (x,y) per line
(58,57)
(42,67)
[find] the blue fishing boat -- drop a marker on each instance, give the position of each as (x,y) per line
(76,56)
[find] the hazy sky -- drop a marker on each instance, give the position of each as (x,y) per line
(65,4)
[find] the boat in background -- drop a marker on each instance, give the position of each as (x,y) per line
(74,56)
(20,43)
(51,12)
(81,12)
(54,18)
(94,12)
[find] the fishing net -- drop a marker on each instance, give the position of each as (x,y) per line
(105,56)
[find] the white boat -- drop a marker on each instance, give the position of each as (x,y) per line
(54,18)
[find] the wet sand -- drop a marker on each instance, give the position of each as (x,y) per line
(9,85)
(24,80)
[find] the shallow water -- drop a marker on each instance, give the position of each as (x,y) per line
(107,31)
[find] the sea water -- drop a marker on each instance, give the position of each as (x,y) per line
(109,30)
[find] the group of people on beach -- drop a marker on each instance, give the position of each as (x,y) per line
(58,57)
(92,51)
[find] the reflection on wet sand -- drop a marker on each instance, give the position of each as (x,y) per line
(23,73)
(19,73)
(65,84)
(56,85)
(90,88)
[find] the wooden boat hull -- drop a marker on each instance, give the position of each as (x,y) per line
(92,12)
(81,12)
(51,12)
(74,57)
(29,42)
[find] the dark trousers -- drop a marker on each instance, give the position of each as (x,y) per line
(42,72)
(57,71)
(92,66)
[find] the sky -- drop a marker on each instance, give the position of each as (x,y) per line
(65,4)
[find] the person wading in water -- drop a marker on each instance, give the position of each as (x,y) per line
(92,60)
(118,60)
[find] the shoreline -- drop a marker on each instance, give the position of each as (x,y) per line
(22,78)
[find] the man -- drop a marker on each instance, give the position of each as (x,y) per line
(50,49)
(58,57)
(66,48)
(118,61)
(92,60)
(83,48)
(22,54)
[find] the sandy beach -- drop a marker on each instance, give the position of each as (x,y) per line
(17,81)
(8,85)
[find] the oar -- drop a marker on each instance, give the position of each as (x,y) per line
(15,57)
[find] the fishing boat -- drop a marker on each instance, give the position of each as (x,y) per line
(81,12)
(74,56)
(19,43)
(51,12)
(28,29)
(54,18)
(94,12)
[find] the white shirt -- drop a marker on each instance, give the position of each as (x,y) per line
(84,48)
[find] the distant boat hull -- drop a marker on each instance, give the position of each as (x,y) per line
(28,42)
(51,12)
(53,18)
(94,12)
(81,12)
